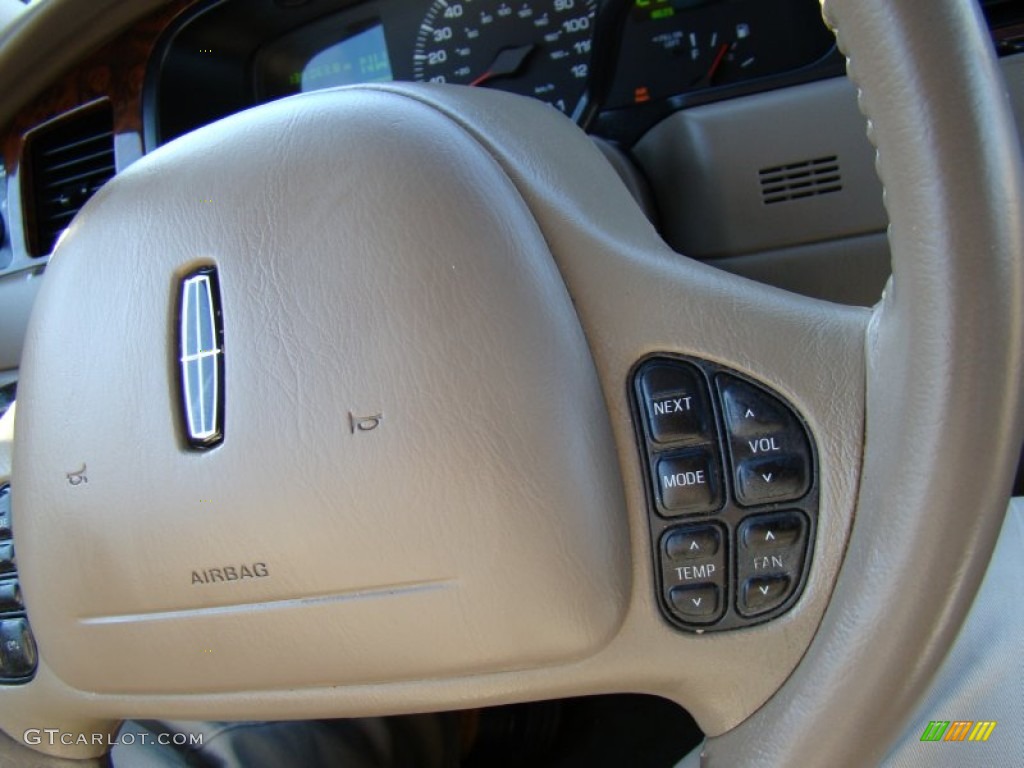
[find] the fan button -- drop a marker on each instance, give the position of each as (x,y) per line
(769,560)
(762,594)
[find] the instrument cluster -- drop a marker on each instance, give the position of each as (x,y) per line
(660,51)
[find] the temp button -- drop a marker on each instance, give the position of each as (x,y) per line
(695,603)
(693,542)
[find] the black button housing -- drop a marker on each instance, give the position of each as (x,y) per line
(733,493)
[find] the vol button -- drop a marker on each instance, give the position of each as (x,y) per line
(749,412)
(771,478)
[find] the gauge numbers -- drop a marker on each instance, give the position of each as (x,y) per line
(538,48)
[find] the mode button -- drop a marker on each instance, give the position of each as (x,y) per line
(688,483)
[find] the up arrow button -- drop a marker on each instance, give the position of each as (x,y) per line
(692,542)
(773,531)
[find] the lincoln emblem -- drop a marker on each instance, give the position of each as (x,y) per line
(201,356)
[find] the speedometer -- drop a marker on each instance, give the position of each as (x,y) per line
(538,48)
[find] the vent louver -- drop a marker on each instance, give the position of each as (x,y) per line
(68,160)
(806,178)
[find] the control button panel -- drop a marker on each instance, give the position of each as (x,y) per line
(18,658)
(733,493)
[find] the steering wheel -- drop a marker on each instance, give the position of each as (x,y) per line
(432,300)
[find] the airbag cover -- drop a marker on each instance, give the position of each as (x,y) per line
(417,456)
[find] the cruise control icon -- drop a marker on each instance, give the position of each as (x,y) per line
(201,358)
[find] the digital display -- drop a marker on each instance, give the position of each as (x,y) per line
(362,58)
(653,10)
(323,55)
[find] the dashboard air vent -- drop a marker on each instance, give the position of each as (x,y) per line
(68,159)
(806,178)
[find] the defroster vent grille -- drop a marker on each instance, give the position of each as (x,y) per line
(794,181)
(69,158)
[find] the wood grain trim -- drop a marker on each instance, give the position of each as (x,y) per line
(116,71)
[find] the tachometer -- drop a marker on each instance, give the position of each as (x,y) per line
(538,48)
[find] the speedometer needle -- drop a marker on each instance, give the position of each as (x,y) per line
(507,62)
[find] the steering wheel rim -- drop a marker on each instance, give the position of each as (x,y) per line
(838,673)
(949,160)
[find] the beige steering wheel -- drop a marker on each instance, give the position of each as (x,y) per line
(464,271)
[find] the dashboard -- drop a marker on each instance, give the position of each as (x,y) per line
(729,119)
(616,67)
